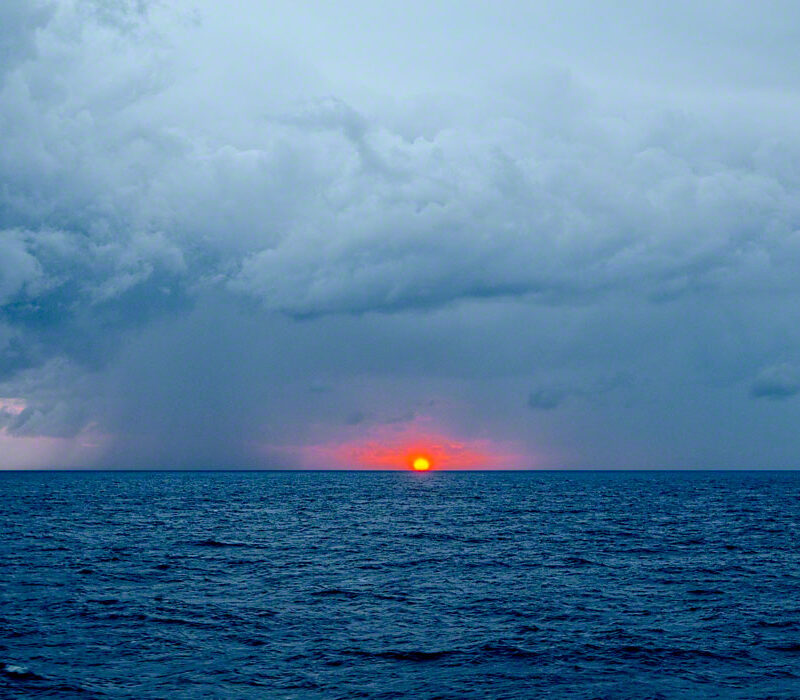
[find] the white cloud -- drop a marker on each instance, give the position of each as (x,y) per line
(549,193)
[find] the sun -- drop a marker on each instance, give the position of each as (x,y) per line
(421,464)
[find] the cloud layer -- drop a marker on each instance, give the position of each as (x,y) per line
(494,239)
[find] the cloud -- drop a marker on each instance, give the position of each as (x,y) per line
(776,382)
(19,21)
(337,212)
(119,14)
(253,207)
(12,406)
(56,400)
(550,396)
(59,420)
(330,210)
(18,266)
(499,211)
(547,399)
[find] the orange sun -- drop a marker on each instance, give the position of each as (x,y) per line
(421,464)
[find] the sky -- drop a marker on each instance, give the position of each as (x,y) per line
(334,235)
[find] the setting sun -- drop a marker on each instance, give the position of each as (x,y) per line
(421,464)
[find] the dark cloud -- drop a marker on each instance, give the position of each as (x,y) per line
(59,420)
(776,382)
(547,399)
(354,418)
(550,396)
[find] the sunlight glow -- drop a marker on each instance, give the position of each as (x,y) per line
(421,464)
(398,445)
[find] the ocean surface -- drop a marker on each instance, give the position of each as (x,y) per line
(400,585)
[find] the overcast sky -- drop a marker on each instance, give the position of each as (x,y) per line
(301,234)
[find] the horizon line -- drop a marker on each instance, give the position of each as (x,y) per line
(397,469)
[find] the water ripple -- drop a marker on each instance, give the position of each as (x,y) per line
(395,585)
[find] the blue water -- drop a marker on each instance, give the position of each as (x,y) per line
(400,585)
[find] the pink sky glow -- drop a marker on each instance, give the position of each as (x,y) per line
(395,446)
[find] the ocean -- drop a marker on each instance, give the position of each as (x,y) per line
(400,585)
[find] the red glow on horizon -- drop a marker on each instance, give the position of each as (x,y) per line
(401,446)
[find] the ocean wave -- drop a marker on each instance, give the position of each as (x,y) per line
(19,673)
(504,650)
(210,542)
(335,592)
(414,655)
(789,648)
(309,590)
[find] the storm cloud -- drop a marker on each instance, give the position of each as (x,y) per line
(776,382)
(437,211)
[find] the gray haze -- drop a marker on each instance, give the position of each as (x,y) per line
(249,234)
